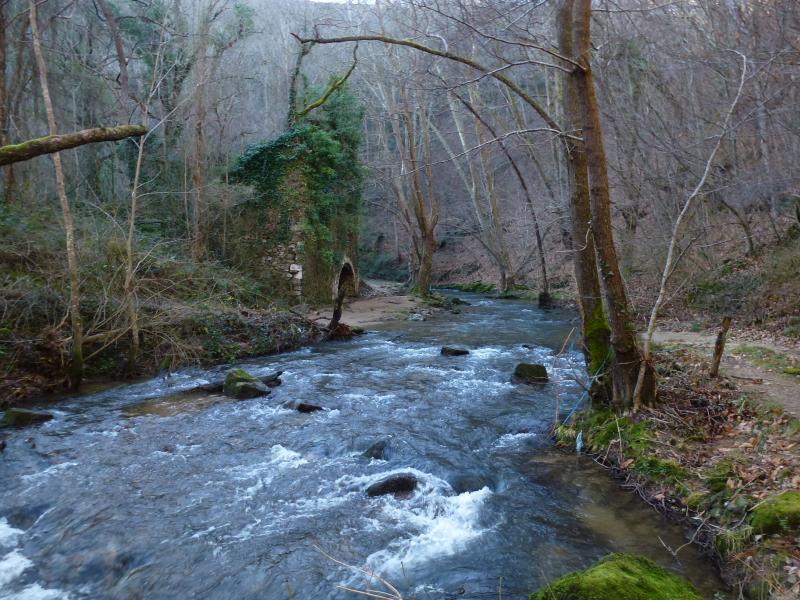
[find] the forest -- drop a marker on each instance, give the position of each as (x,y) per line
(400,299)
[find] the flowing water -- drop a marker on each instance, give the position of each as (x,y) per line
(141,492)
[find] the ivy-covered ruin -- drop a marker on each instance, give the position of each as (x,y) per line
(300,229)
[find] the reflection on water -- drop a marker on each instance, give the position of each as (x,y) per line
(141,491)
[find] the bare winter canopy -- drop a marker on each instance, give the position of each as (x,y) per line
(617,150)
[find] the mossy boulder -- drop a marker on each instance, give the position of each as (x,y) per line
(777,514)
(21,417)
(530,373)
(241,385)
(619,577)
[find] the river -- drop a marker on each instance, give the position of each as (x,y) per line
(142,492)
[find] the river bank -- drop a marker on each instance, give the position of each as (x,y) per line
(719,459)
(33,369)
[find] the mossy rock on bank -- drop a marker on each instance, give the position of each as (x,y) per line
(21,417)
(619,577)
(241,385)
(777,514)
(530,373)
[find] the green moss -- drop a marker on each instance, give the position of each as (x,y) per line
(780,513)
(733,541)
(656,469)
(695,500)
(602,427)
(477,287)
(619,577)
(597,339)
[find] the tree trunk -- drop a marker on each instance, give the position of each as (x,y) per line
(124,88)
(627,356)
(75,371)
(13,103)
(3,91)
(719,347)
(594,327)
(426,262)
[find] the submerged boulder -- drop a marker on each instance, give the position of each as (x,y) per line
(241,385)
(398,485)
(619,577)
(22,417)
(304,407)
(452,351)
(272,380)
(530,373)
(377,450)
(780,513)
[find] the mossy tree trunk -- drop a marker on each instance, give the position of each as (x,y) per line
(594,327)
(627,355)
(53,143)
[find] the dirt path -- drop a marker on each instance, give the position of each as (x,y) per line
(380,301)
(773,386)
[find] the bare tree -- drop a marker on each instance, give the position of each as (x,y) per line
(76,365)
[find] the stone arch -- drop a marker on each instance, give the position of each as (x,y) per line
(346,281)
(345,284)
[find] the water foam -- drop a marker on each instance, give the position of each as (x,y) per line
(512,439)
(51,470)
(12,565)
(445,525)
(280,459)
(36,592)
(442,523)
(8,534)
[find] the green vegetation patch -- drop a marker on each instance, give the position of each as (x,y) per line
(780,513)
(770,359)
(619,577)
(476,287)
(631,441)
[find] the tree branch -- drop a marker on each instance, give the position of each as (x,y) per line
(337,83)
(14,153)
(529,100)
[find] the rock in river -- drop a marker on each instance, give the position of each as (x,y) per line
(377,450)
(20,417)
(529,373)
(399,485)
(452,351)
(241,385)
